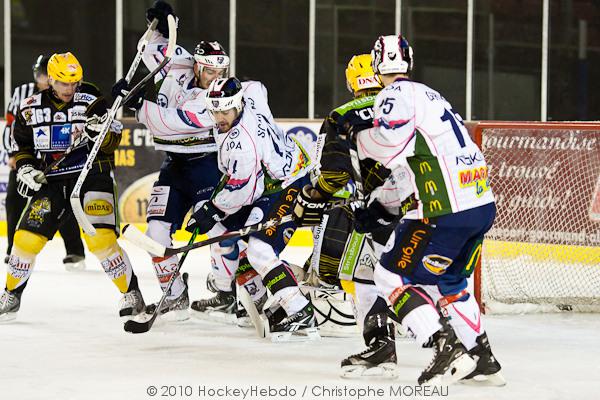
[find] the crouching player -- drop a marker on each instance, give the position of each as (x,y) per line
(263,172)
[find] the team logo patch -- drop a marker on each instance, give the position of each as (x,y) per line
(28,116)
(99,208)
(436,264)
(41,137)
(38,211)
(60,117)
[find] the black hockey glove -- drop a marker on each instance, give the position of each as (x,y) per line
(373,217)
(160,11)
(205,218)
(121,88)
(309,207)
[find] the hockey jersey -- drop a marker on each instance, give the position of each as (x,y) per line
(423,141)
(21,92)
(47,125)
(257,158)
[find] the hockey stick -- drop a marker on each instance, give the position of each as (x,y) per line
(74,199)
(132,326)
(137,237)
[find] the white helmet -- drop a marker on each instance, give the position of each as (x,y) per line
(392,55)
(212,55)
(224,94)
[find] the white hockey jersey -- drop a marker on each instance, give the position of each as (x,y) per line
(257,158)
(179,121)
(423,141)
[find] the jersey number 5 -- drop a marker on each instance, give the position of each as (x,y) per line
(453,117)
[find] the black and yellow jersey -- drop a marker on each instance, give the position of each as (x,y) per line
(336,165)
(47,126)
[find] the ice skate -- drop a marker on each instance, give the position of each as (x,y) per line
(487,372)
(132,302)
(449,355)
(174,309)
(379,359)
(300,326)
(9,306)
(220,308)
(74,262)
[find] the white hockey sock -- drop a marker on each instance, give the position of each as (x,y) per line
(164,268)
(223,266)
(365,297)
(465,318)
(291,299)
(423,321)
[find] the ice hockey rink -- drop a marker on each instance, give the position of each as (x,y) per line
(68,343)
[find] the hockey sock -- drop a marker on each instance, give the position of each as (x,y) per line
(164,268)
(416,311)
(465,318)
(26,246)
(280,281)
(247,277)
(112,257)
(225,261)
(366,297)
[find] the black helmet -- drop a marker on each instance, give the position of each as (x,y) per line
(211,54)
(41,65)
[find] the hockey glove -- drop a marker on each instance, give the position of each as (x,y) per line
(121,88)
(160,11)
(205,218)
(29,180)
(309,207)
(93,126)
(373,217)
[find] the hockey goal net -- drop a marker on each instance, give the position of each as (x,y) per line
(543,252)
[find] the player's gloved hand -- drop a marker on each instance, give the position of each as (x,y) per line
(29,180)
(205,218)
(160,11)
(93,126)
(309,207)
(121,88)
(373,217)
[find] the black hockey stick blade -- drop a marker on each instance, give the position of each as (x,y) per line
(132,326)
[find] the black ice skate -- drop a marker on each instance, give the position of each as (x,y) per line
(74,262)
(379,359)
(449,355)
(221,308)
(177,308)
(300,326)
(9,305)
(132,302)
(487,372)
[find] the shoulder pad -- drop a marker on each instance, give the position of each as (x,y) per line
(362,102)
(87,93)
(31,101)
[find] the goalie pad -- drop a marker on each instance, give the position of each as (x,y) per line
(334,311)
(358,261)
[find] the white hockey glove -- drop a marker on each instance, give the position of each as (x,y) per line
(29,180)
(93,126)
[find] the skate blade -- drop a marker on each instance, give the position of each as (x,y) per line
(384,371)
(75,267)
(495,379)
(458,369)
(303,335)
(215,316)
(8,317)
(175,316)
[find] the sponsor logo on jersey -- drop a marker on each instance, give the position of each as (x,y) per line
(469,159)
(28,116)
(475,177)
(60,117)
(34,100)
(407,252)
(84,97)
(366,82)
(60,137)
(41,137)
(162,100)
(436,264)
(98,207)
(77,113)
(234,134)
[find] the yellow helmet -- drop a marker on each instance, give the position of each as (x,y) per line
(65,68)
(360,75)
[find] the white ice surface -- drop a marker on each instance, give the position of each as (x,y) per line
(68,343)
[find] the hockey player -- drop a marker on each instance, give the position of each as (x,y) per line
(434,249)
(356,274)
(15,203)
(69,113)
(180,125)
(263,169)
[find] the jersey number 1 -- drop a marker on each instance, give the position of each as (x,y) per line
(452,116)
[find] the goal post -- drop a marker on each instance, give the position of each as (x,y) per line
(543,252)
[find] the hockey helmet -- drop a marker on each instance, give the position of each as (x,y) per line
(360,75)
(392,55)
(65,68)
(40,66)
(224,94)
(212,55)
